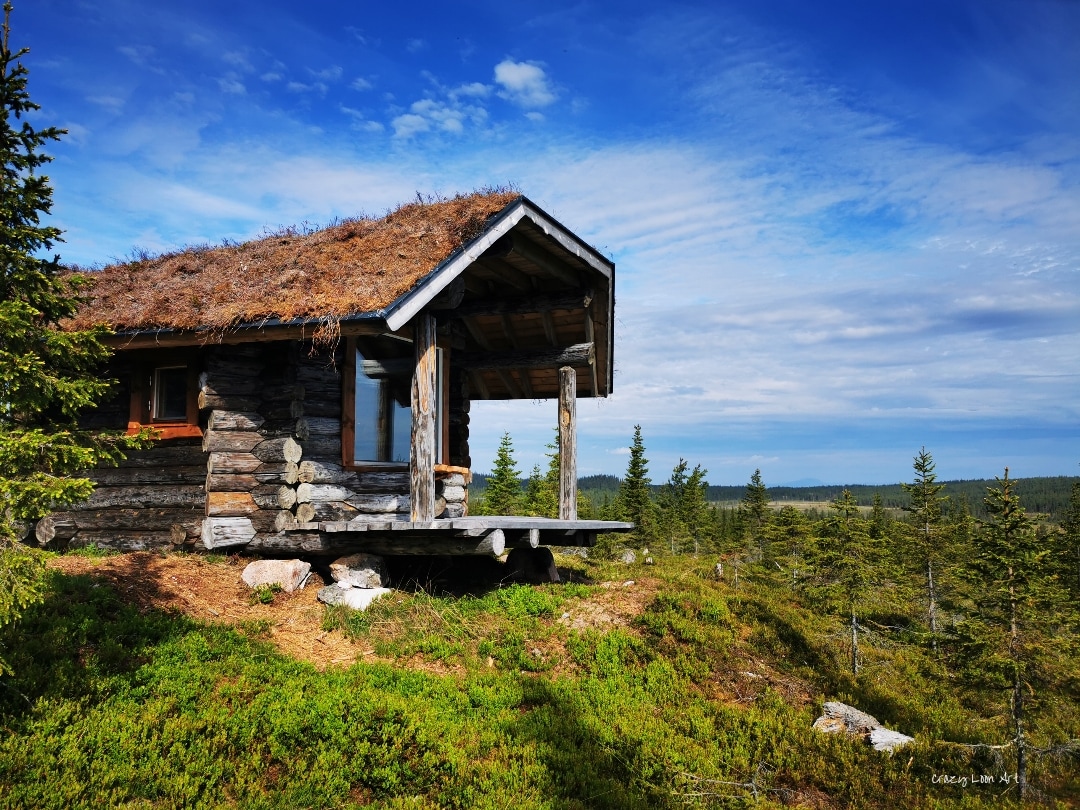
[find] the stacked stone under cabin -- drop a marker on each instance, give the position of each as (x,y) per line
(269,460)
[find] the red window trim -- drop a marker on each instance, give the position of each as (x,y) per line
(142,392)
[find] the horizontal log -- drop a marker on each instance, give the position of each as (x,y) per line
(127,519)
(322,447)
(323,407)
(320,543)
(325,472)
(306,493)
(245,335)
(581,354)
(310,373)
(230,483)
(323,426)
(266,496)
(325,510)
(231,385)
(224,532)
(230,441)
(277,450)
(379,503)
(144,495)
(124,541)
(290,543)
(284,428)
(282,472)
(230,504)
(235,420)
(270,521)
(172,455)
(372,481)
(292,409)
(232,463)
(227,403)
(523,305)
(127,476)
(282,392)
(234,366)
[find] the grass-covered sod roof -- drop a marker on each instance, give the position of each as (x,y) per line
(353,267)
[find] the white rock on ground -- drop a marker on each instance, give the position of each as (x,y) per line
(289,574)
(884,739)
(355,598)
(839,717)
(359,570)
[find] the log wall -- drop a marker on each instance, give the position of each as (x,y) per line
(269,460)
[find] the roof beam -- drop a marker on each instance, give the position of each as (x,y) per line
(524,304)
(246,333)
(578,355)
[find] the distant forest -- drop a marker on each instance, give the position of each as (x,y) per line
(1046,497)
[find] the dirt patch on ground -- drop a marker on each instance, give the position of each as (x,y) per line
(210,590)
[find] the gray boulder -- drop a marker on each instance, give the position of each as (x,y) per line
(289,574)
(359,570)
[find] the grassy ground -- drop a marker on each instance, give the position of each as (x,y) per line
(630,687)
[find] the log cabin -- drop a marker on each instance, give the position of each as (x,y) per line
(310,391)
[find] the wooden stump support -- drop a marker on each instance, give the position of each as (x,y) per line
(422,451)
(567,443)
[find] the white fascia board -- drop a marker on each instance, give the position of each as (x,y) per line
(402,311)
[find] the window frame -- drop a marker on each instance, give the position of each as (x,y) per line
(145,390)
(348,413)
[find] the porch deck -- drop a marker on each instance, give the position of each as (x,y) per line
(485,535)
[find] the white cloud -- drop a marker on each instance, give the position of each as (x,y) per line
(524,83)
(330,74)
(409,124)
(361,84)
(315,88)
(113,104)
(139,54)
(232,86)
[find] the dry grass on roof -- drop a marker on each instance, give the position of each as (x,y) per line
(356,266)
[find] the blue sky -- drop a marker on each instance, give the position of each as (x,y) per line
(843,230)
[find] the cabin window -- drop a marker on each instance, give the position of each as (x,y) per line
(164,396)
(169,388)
(378,397)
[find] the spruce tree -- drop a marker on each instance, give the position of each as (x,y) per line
(634,501)
(754,514)
(925,532)
(503,493)
(47,375)
(848,565)
(1018,637)
(1068,546)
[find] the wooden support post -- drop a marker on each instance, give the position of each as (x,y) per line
(422,452)
(567,443)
